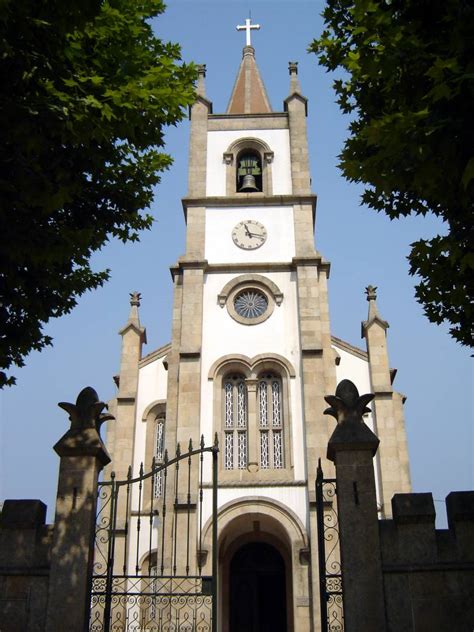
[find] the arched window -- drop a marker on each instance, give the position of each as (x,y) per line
(159,453)
(249,171)
(270,422)
(248,167)
(235,423)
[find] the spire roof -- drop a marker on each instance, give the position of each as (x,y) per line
(249,95)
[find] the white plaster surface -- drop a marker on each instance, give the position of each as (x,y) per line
(279,334)
(295,498)
(280,243)
(152,386)
(218,143)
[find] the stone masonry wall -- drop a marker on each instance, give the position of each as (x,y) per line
(25,554)
(428,573)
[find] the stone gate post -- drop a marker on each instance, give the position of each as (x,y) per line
(352,447)
(83,455)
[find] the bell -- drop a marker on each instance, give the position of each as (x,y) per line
(248,184)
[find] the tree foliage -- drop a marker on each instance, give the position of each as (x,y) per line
(86,94)
(408,81)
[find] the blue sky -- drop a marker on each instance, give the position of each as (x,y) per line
(364,248)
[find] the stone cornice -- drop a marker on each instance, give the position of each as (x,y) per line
(155,355)
(264,115)
(250,199)
(249,266)
(346,346)
(299,97)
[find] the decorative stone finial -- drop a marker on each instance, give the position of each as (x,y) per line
(373,315)
(371,292)
(295,86)
(346,405)
(293,67)
(87,411)
(135,298)
(351,433)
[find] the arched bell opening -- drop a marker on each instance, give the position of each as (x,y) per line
(249,172)
(256,583)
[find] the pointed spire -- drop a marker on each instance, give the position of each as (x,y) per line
(249,95)
(295,85)
(373,315)
(201,83)
(133,318)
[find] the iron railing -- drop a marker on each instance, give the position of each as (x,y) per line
(330,574)
(149,556)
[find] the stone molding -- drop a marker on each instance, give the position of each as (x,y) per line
(253,365)
(270,290)
(249,199)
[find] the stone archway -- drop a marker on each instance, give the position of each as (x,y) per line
(266,521)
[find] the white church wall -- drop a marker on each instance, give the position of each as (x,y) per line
(280,243)
(279,334)
(152,386)
(295,498)
(218,143)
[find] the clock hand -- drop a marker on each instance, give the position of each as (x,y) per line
(249,234)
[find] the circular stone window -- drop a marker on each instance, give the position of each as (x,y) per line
(250,303)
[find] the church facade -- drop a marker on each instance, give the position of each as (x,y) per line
(252,356)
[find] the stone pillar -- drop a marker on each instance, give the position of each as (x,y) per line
(83,455)
(297,105)
(198,114)
(352,447)
(386,414)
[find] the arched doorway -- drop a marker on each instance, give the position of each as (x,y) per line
(257,589)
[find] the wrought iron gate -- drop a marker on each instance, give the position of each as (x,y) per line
(330,575)
(151,568)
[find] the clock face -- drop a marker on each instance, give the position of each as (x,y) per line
(249,234)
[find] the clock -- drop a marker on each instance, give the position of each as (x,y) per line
(249,234)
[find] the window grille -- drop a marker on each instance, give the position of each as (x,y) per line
(235,423)
(159,455)
(271,436)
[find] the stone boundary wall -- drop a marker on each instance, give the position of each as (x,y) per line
(25,554)
(428,573)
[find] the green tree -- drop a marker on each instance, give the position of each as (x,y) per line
(87,91)
(407,79)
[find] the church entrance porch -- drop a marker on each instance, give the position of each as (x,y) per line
(257,589)
(263,574)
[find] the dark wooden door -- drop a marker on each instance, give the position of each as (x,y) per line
(257,590)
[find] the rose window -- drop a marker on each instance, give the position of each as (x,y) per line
(250,304)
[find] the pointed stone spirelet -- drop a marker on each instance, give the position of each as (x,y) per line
(87,411)
(351,433)
(373,315)
(201,83)
(295,85)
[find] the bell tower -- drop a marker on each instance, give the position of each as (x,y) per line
(251,355)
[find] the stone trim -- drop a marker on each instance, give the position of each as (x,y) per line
(250,369)
(346,346)
(230,160)
(232,288)
(249,199)
(155,355)
(240,485)
(251,363)
(159,404)
(228,122)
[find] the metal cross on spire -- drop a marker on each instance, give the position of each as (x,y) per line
(248,27)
